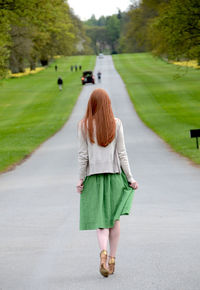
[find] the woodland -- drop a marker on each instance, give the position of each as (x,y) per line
(35,31)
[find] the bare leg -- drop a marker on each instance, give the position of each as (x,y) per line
(114,234)
(102,235)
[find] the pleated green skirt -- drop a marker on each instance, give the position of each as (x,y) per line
(105,197)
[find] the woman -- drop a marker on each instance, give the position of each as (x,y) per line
(106,183)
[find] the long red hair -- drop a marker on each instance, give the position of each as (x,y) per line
(99,109)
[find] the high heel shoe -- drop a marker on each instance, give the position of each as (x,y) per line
(111,265)
(103,269)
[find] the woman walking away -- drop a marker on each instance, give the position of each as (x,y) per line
(106,184)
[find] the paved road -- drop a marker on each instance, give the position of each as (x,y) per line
(41,247)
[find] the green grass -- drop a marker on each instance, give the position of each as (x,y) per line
(32,108)
(166,97)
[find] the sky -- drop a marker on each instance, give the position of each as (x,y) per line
(85,8)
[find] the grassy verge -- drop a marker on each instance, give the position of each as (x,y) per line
(166,98)
(32,108)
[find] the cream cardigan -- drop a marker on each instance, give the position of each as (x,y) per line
(95,159)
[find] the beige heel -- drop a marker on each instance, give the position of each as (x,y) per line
(103,269)
(111,265)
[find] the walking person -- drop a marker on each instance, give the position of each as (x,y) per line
(106,184)
(60,83)
(99,76)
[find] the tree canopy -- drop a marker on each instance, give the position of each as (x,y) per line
(37,30)
(176,31)
(168,28)
(105,32)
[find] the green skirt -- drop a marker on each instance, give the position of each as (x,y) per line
(105,197)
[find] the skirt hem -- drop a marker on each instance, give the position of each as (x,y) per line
(105,226)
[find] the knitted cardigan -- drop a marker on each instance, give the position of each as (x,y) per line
(95,159)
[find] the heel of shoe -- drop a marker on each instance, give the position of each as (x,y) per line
(104,272)
(103,269)
(111,265)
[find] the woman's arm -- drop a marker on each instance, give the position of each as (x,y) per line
(82,153)
(121,150)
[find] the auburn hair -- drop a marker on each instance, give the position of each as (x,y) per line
(99,112)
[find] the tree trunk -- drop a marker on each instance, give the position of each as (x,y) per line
(198,58)
(32,65)
(44,62)
(21,65)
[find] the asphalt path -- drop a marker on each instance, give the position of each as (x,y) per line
(41,247)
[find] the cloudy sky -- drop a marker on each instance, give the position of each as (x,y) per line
(85,8)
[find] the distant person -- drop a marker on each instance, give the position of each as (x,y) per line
(99,76)
(60,83)
(76,67)
(56,67)
(80,67)
(72,67)
(106,184)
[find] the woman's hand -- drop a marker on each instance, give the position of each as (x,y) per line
(79,186)
(134,185)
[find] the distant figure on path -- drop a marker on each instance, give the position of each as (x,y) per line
(60,83)
(106,184)
(76,67)
(80,67)
(99,76)
(72,67)
(56,67)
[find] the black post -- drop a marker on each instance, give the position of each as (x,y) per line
(197,142)
(195,133)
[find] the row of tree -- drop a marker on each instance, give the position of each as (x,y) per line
(104,32)
(36,30)
(168,28)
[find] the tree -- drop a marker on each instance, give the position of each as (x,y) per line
(136,31)
(92,21)
(134,38)
(82,41)
(53,29)
(97,34)
(104,32)
(17,16)
(113,32)
(169,28)
(176,30)
(4,42)
(36,30)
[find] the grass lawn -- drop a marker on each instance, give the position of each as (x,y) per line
(32,108)
(166,97)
